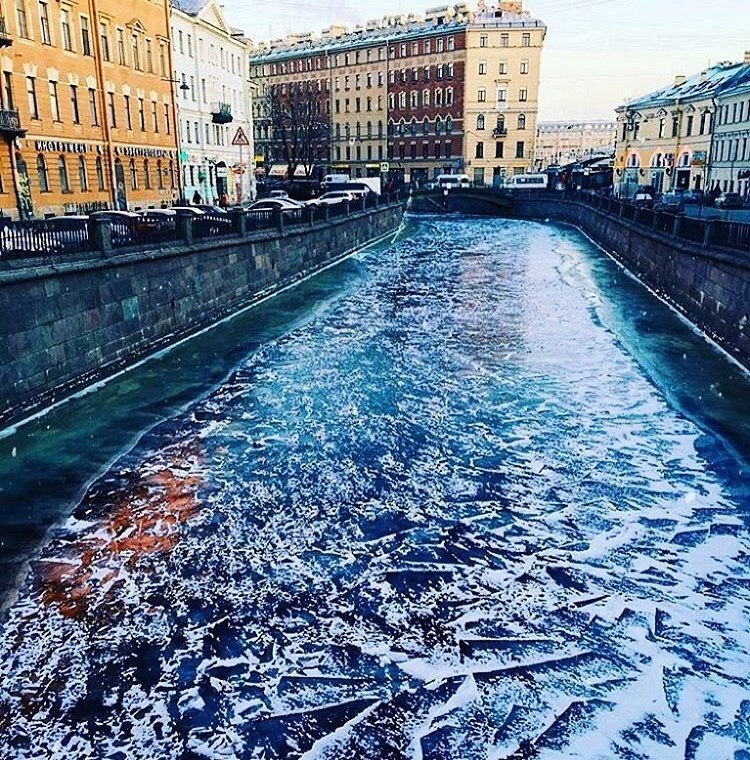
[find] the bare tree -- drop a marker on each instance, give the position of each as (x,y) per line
(300,124)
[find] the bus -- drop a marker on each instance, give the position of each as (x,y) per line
(527,182)
(448,181)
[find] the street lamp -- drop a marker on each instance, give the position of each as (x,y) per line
(184,88)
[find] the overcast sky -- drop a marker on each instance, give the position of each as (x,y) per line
(597,52)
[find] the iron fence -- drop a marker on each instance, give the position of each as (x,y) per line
(211,225)
(731,235)
(43,237)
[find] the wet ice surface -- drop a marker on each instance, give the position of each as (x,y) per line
(449,517)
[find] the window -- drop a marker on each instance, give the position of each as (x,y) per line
(523,94)
(85,36)
(503,67)
(483,39)
(31,97)
(438,97)
(662,127)
(99,173)
(104,38)
(41,170)
(92,107)
(440,44)
(83,179)
(427,47)
(23,26)
(163,59)
(480,121)
(120,33)
(54,103)
(112,110)
(519,149)
(448,125)
(439,71)
(136,49)
(166,119)
(504,40)
(44,23)
(74,104)
(155,116)
(141,115)
(133,176)
(499,146)
(479,151)
(67,39)
(449,96)
(8,90)
(62,170)
(482,95)
(437,150)
(675,126)
(146,175)
(526,40)
(128,114)
(451,43)
(691,119)
(425,97)
(522,121)
(502,94)
(482,67)
(525,66)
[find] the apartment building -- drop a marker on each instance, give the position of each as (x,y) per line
(729,169)
(415,97)
(559,143)
(214,101)
(86,111)
(664,139)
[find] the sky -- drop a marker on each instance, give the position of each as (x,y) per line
(597,54)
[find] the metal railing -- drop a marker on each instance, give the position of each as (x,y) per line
(9,120)
(44,237)
(5,37)
(211,225)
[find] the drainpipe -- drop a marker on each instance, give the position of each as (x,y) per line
(103,104)
(711,145)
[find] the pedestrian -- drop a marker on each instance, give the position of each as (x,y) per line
(223,201)
(197,198)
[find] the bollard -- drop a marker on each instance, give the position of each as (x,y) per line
(677,226)
(346,208)
(100,235)
(185,226)
(239,221)
(278,220)
(708,232)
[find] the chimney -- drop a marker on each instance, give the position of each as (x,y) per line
(679,79)
(747,56)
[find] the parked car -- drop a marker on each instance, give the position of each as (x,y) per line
(694,196)
(279,194)
(285,205)
(208,208)
(125,225)
(644,197)
(671,201)
(729,201)
(332,198)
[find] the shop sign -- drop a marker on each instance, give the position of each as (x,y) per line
(60,146)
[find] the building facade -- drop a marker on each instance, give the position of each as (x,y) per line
(87,111)
(214,101)
(560,143)
(412,98)
(665,139)
(730,151)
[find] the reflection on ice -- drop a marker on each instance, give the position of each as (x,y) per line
(449,518)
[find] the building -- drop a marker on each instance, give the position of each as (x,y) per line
(412,97)
(87,109)
(730,151)
(559,143)
(664,139)
(213,102)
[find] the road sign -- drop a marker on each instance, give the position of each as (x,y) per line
(385,167)
(240,138)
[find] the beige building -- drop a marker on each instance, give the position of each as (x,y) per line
(664,139)
(501,100)
(559,143)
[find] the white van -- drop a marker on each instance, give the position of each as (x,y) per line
(527,182)
(335,179)
(447,181)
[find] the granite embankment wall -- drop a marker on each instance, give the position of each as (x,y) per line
(67,321)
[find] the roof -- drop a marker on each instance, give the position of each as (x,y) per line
(191,7)
(702,85)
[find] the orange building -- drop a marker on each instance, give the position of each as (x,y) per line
(87,111)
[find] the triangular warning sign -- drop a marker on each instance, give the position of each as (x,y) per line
(240,138)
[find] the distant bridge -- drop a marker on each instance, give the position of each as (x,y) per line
(486,201)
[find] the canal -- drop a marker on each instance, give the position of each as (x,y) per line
(474,494)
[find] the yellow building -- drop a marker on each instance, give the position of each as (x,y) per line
(501,92)
(87,107)
(664,138)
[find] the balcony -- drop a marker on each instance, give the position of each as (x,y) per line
(5,38)
(10,124)
(499,132)
(221,113)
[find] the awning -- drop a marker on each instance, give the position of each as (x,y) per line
(302,171)
(278,170)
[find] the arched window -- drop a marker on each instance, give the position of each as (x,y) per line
(413,126)
(425,126)
(369,129)
(146,174)
(99,173)
(83,179)
(41,168)
(338,131)
(159,175)
(358,129)
(402,127)
(347,130)
(171,174)
(685,159)
(633,160)
(657,160)
(63,171)
(448,125)
(380,129)
(480,121)
(438,125)
(522,121)
(391,128)
(133,175)
(501,123)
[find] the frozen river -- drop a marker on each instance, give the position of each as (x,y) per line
(472,495)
